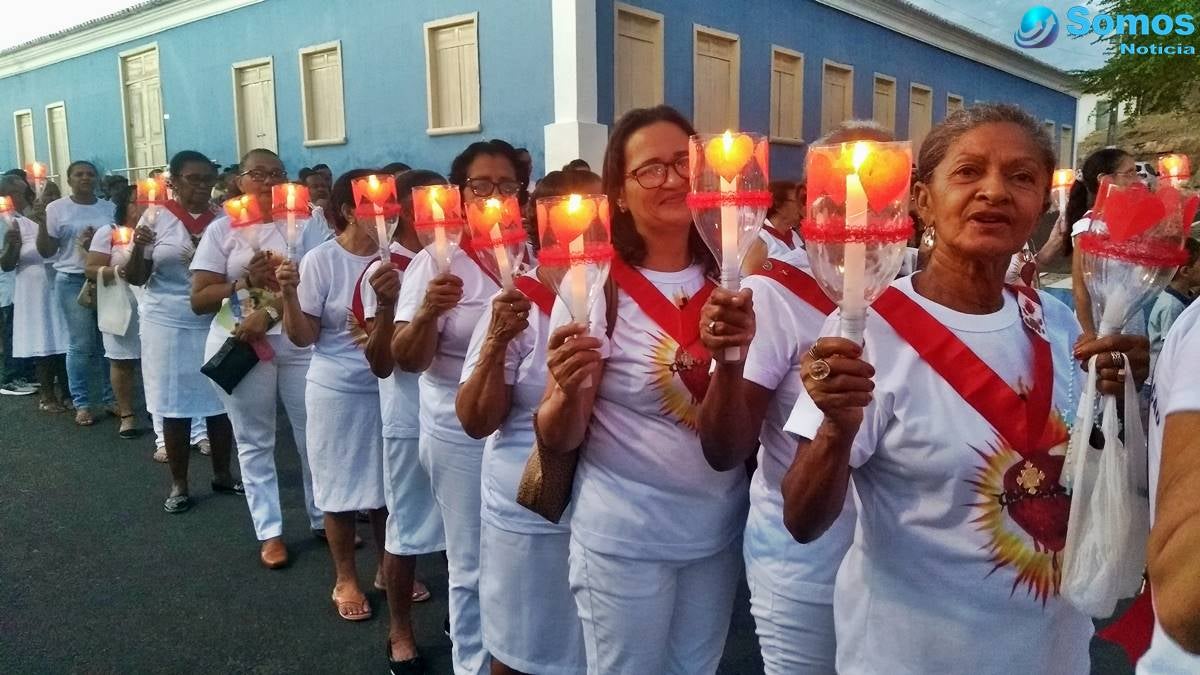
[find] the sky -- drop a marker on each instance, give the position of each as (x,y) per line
(26,21)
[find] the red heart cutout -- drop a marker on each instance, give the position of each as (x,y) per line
(826,177)
(692,372)
(570,218)
(1036,502)
(1131,211)
(728,158)
(885,174)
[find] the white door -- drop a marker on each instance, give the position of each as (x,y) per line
(26,149)
(716,84)
(637,62)
(254,87)
(60,150)
(920,114)
(145,135)
(837,96)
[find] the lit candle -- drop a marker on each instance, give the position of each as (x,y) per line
(853,307)
(441,246)
(291,221)
(728,155)
(244,215)
(1175,168)
(122,236)
(576,247)
(493,213)
(6,211)
(37,172)
(1061,188)
(150,192)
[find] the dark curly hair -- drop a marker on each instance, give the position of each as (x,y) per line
(496,148)
(555,184)
(626,240)
(342,194)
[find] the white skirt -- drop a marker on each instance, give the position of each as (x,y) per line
(414,522)
(127,347)
(530,621)
(171,360)
(39,323)
(345,448)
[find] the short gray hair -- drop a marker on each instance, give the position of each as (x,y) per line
(942,136)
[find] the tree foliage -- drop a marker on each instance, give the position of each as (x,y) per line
(1150,83)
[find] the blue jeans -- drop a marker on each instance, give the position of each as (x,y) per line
(85,350)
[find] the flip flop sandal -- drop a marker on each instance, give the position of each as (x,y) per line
(422,594)
(177,504)
(160,455)
(84,418)
(236,489)
(130,433)
(344,607)
(51,407)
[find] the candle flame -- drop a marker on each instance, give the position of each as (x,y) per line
(727,140)
(574,203)
(6,204)
(1174,165)
(1063,178)
(373,181)
(861,151)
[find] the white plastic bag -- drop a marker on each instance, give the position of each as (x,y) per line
(113,309)
(1105,553)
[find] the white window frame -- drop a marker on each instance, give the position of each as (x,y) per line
(735,80)
(825,63)
(51,169)
(237,117)
(336,46)
(895,97)
(926,88)
(426,29)
(1051,128)
(17,132)
(799,56)
(1066,161)
(659,55)
(962,102)
(121,56)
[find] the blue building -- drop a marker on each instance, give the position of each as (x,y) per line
(365,82)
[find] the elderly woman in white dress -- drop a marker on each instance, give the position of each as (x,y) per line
(39,325)
(251,254)
(344,430)
(105,263)
(173,336)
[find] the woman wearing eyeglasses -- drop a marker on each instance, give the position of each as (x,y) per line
(173,336)
(435,316)
(224,257)
(655,547)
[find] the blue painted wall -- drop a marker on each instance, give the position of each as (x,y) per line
(818,32)
(383,74)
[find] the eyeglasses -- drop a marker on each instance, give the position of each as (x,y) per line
(199,180)
(654,174)
(1132,173)
(482,187)
(262,176)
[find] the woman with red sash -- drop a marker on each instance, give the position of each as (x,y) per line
(250,254)
(436,314)
(791,585)
(655,531)
(521,555)
(954,427)
(173,335)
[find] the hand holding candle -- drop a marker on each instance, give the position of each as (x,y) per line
(289,203)
(498,237)
(438,221)
(729,200)
(36,172)
(151,193)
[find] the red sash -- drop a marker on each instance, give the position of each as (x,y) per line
(537,292)
(194,224)
(356,304)
(799,283)
(682,324)
(786,240)
(1021,420)
(474,256)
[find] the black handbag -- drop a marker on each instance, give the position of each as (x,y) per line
(230,364)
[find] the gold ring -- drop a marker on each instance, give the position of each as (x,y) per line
(819,370)
(712,327)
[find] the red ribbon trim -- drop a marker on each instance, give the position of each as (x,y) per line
(682,324)
(367,210)
(482,241)
(430,225)
(1022,421)
(559,256)
(1153,253)
(801,284)
(879,230)
(193,224)
(537,292)
(709,200)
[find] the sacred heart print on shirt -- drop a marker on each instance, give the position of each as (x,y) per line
(1023,511)
(678,377)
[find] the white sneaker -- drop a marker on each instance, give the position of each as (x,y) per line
(17,388)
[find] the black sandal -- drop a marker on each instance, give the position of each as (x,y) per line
(129,434)
(177,504)
(414,666)
(236,489)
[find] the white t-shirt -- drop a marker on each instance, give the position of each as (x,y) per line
(439,382)
(39,324)
(776,247)
(329,277)
(1167,308)
(643,489)
(399,393)
(167,299)
(507,450)
(786,328)
(226,252)
(943,575)
(66,220)
(1175,391)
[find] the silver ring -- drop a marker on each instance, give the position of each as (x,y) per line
(712,327)
(819,370)
(1117,358)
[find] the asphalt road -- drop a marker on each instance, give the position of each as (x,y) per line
(95,578)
